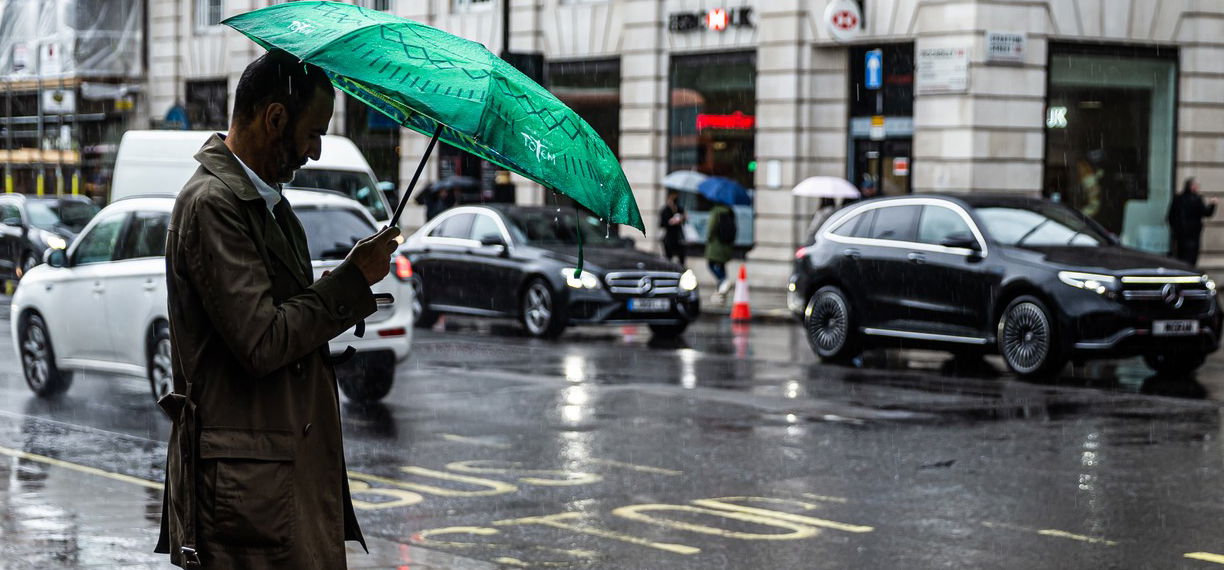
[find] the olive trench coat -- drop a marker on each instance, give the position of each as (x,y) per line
(255,474)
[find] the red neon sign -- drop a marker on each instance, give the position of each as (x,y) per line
(737,120)
(716,19)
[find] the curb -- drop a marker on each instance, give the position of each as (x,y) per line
(758,316)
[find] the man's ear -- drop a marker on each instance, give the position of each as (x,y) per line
(276,117)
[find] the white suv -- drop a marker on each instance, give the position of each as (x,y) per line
(102,306)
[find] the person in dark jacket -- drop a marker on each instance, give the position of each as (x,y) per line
(1186,215)
(671,220)
(255,474)
(718,252)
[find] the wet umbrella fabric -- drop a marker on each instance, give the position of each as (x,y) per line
(454,89)
(826,187)
(724,190)
(684,180)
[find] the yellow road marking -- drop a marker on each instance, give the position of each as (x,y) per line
(636,467)
(825,498)
(491,487)
(79,468)
(474,441)
(563,478)
(1206,557)
(721,503)
(638,513)
(1053,533)
(555,521)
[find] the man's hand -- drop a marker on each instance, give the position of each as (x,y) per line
(373,254)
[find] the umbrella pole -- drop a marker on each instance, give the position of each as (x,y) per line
(408,191)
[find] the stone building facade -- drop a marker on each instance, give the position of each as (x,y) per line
(1107,105)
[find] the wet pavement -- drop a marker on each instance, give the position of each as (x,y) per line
(730,448)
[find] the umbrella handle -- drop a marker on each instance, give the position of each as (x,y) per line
(408,192)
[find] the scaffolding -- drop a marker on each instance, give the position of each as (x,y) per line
(69,74)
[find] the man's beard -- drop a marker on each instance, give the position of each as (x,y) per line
(287,160)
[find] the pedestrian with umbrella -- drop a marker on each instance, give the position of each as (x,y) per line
(257,485)
(722,229)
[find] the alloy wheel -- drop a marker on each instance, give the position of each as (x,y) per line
(1025,337)
(537,308)
(35,356)
(161,372)
(827,325)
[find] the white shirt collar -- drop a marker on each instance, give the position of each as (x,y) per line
(271,196)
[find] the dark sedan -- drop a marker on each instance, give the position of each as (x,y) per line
(1034,280)
(518,262)
(29,226)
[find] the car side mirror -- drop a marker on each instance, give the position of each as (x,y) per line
(962,240)
(55,257)
(490,240)
(15,222)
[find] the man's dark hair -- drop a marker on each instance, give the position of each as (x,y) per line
(277,77)
(1187,185)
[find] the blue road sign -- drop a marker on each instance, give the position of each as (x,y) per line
(874,69)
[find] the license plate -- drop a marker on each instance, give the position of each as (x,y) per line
(649,305)
(1175,328)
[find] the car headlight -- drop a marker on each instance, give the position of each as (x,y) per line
(1097,283)
(586,280)
(54,241)
(1209,283)
(688,280)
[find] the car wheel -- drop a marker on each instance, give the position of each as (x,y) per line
(27,263)
(1175,362)
(367,377)
(828,321)
(540,314)
(1028,339)
(668,331)
(38,359)
(160,369)
(421,316)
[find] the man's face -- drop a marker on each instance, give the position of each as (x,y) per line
(302,139)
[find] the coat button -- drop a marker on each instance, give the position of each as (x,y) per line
(296,368)
(342,309)
(306,430)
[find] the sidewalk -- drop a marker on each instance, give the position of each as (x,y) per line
(768,305)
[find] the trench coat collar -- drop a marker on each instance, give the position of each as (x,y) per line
(218,160)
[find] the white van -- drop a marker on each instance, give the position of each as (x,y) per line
(160,162)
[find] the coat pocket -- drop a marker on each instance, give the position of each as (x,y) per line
(252,490)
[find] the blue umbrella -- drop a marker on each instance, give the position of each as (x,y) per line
(725,190)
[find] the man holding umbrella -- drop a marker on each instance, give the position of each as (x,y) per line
(255,465)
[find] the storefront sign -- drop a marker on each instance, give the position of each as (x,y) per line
(843,19)
(901,166)
(942,70)
(877,131)
(59,101)
(1005,47)
(737,120)
(717,19)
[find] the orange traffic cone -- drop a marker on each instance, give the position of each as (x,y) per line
(739,308)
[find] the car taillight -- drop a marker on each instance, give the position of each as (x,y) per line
(403,267)
(799,253)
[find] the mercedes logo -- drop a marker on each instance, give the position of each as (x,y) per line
(1171,295)
(645,285)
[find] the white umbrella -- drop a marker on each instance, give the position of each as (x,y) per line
(826,187)
(683,180)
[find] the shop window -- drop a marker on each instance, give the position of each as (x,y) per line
(1110,138)
(591,89)
(712,129)
(462,5)
(208,13)
(207,104)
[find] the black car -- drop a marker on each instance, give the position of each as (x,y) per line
(1035,280)
(518,262)
(29,226)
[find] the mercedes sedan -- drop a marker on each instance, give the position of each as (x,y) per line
(519,262)
(1033,280)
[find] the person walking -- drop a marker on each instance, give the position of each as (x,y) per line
(719,242)
(671,219)
(1186,215)
(255,474)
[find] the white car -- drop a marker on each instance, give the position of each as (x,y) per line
(101,306)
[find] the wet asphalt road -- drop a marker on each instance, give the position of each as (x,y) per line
(733,448)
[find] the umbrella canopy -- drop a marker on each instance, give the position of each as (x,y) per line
(454,89)
(826,187)
(725,190)
(683,180)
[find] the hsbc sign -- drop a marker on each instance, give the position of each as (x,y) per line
(715,19)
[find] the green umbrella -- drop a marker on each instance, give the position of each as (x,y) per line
(452,89)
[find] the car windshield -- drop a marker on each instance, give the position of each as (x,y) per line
(354,184)
(544,227)
(55,214)
(332,232)
(1044,225)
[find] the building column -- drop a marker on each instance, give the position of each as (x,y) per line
(643,114)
